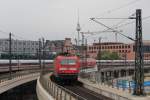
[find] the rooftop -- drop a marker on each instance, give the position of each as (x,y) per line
(108,43)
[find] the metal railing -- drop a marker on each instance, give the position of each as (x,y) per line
(58,92)
(6,77)
(125,84)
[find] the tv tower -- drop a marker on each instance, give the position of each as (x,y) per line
(78,30)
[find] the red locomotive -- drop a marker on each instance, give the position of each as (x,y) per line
(66,67)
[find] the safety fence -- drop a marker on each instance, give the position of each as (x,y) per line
(106,93)
(58,92)
(126,84)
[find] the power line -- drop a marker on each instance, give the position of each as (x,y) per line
(13,35)
(123,20)
(112,29)
(6,33)
(145,18)
(122,25)
(120,7)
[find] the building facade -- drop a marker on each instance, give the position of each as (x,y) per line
(125,51)
(68,46)
(55,46)
(59,46)
(19,46)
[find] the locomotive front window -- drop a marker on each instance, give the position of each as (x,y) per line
(68,62)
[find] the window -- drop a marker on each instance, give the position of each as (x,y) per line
(89,48)
(119,47)
(68,62)
(1,43)
(128,46)
(114,47)
(6,49)
(20,43)
(6,43)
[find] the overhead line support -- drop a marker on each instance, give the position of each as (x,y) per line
(10,55)
(139,68)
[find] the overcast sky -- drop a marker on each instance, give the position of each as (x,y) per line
(57,19)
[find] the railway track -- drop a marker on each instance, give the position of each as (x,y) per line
(84,93)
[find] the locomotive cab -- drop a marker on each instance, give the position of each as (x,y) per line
(66,67)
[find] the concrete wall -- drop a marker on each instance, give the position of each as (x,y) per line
(103,91)
(9,84)
(42,94)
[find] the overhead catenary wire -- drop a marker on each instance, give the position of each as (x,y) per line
(119,7)
(3,32)
(115,26)
(112,29)
(114,9)
(145,18)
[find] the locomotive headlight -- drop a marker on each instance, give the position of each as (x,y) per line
(62,68)
(72,68)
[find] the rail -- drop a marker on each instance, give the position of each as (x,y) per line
(58,92)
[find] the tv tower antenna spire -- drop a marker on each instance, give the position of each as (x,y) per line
(78,30)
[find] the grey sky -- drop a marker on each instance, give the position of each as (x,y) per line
(56,19)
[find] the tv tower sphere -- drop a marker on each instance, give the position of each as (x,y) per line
(78,27)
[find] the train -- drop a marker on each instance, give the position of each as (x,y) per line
(21,65)
(88,62)
(88,65)
(66,68)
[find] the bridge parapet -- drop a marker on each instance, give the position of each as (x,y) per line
(56,91)
(7,83)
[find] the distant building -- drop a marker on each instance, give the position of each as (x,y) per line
(59,46)
(55,46)
(19,46)
(125,51)
(68,46)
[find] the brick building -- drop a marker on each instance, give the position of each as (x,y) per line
(68,46)
(125,51)
(55,46)
(58,46)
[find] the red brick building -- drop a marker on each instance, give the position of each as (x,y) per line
(68,46)
(124,50)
